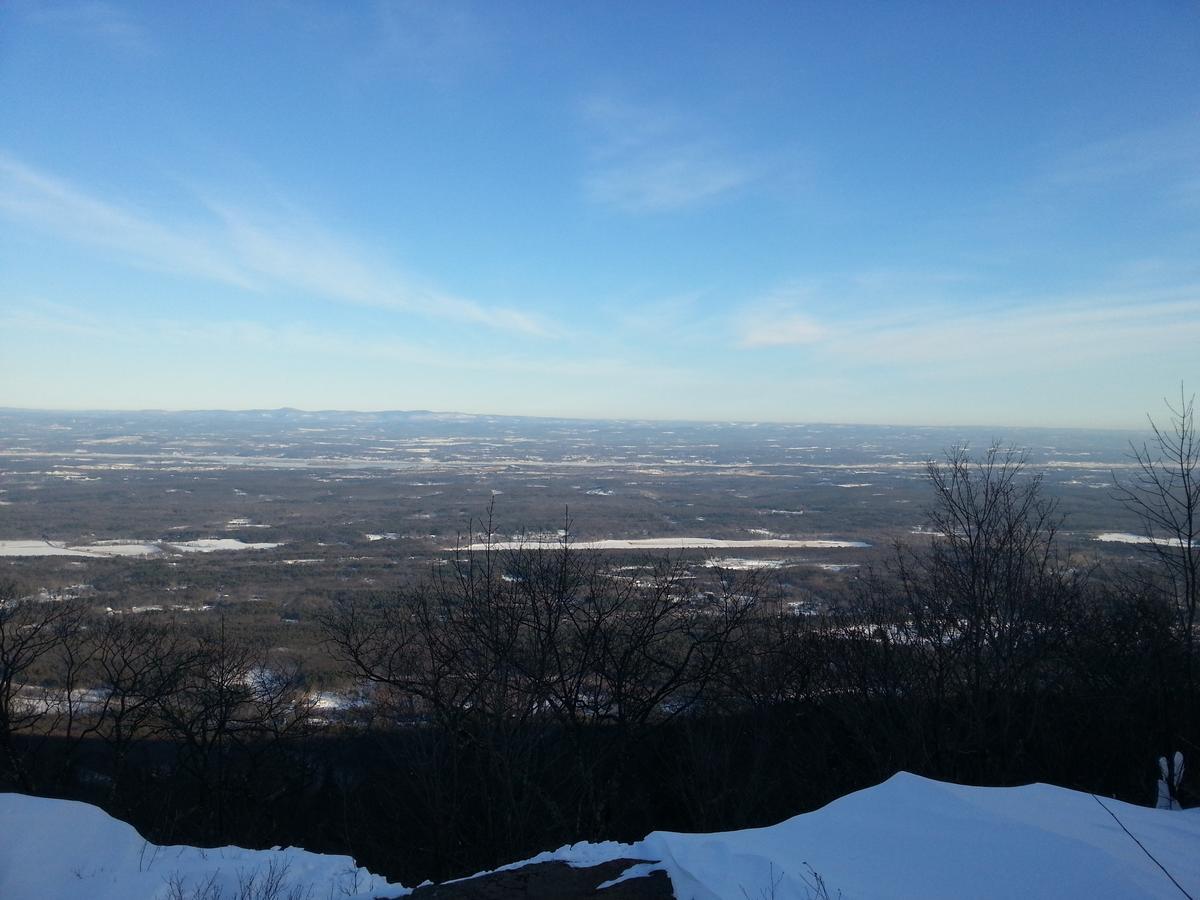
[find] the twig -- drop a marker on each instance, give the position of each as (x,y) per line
(1143,846)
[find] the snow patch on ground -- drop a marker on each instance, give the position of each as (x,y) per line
(98,550)
(209,545)
(1124,537)
(36,548)
(680,543)
(739,564)
(124,548)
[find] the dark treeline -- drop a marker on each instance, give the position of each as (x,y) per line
(521,700)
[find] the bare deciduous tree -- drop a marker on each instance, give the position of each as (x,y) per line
(1164,492)
(138,663)
(229,696)
(989,605)
(32,631)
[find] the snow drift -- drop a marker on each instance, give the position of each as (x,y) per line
(908,837)
(66,850)
(913,837)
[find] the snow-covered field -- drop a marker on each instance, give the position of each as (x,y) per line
(36,548)
(906,838)
(209,545)
(107,549)
(740,564)
(679,543)
(1124,537)
(95,551)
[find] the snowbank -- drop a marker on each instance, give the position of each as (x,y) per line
(74,851)
(906,838)
(912,837)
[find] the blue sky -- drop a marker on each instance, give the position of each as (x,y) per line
(942,213)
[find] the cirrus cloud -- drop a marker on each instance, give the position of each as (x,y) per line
(650,160)
(227,244)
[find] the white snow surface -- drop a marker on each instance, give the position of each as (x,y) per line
(75,851)
(913,837)
(122,548)
(37,548)
(667,543)
(734,563)
(1124,537)
(906,838)
(97,550)
(209,545)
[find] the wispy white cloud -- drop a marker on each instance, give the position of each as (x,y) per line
(301,254)
(1040,336)
(918,334)
(41,200)
(434,41)
(889,280)
(31,316)
(323,344)
(660,315)
(1174,146)
(96,20)
(646,160)
(782,318)
(322,347)
(1159,165)
(787,330)
(665,180)
(232,246)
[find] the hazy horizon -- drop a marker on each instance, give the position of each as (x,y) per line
(967,425)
